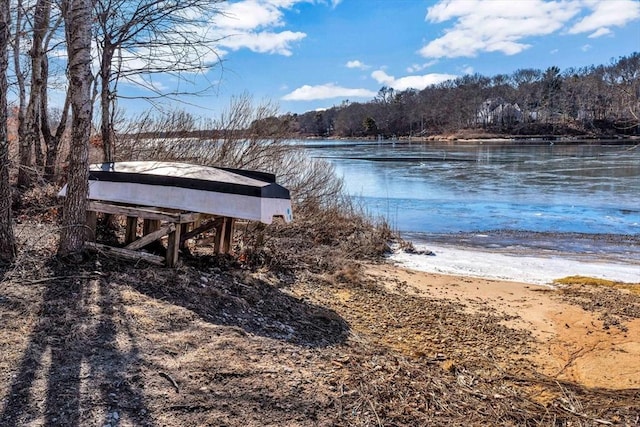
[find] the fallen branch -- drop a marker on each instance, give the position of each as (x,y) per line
(171,380)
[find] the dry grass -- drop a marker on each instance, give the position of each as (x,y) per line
(633,288)
(106,342)
(294,335)
(615,302)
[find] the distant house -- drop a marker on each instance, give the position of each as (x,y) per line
(497,111)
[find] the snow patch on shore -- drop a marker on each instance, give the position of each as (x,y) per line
(511,267)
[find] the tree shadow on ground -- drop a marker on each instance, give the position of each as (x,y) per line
(235,298)
(72,371)
(75,370)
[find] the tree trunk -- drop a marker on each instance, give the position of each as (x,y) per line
(52,140)
(7,240)
(20,78)
(77,16)
(106,99)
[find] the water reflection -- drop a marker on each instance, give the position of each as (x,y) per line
(444,188)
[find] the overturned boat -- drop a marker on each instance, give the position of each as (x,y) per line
(179,201)
(226,192)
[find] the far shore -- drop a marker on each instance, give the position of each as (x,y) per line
(466,137)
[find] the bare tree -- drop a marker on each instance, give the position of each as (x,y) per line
(245,135)
(163,36)
(7,240)
(24,150)
(77,18)
(35,26)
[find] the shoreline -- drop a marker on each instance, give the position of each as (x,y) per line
(623,248)
(523,266)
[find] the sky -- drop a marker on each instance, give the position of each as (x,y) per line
(309,55)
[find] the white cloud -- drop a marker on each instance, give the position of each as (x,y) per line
(264,42)
(586,47)
(467,69)
(356,64)
(254,24)
(414,68)
(249,15)
(605,14)
(600,32)
(326,91)
(410,82)
(494,25)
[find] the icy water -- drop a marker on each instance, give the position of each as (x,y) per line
(575,197)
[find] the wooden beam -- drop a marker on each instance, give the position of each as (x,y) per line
(132,229)
(145,213)
(173,247)
(184,228)
(125,253)
(189,217)
(201,229)
(228,236)
(151,237)
(150,225)
(220,230)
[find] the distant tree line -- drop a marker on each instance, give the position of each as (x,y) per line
(596,100)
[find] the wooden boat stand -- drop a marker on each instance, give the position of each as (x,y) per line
(178,226)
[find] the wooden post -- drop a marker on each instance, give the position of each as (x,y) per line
(184,231)
(92,220)
(150,225)
(173,246)
(220,231)
(224,234)
(228,235)
(132,229)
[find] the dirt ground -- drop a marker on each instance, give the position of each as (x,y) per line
(214,343)
(571,343)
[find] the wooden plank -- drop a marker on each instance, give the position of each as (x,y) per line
(145,213)
(150,225)
(173,247)
(228,236)
(125,253)
(220,230)
(151,237)
(132,230)
(189,217)
(201,229)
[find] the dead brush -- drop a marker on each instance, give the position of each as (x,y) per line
(351,273)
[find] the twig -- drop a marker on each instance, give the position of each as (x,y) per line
(171,380)
(577,414)
(372,407)
(54,278)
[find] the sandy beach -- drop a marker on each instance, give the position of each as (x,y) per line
(571,343)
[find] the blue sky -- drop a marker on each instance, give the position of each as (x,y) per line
(313,54)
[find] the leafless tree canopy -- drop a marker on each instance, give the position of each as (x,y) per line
(245,135)
(139,39)
(599,100)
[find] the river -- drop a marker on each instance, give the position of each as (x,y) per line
(579,198)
